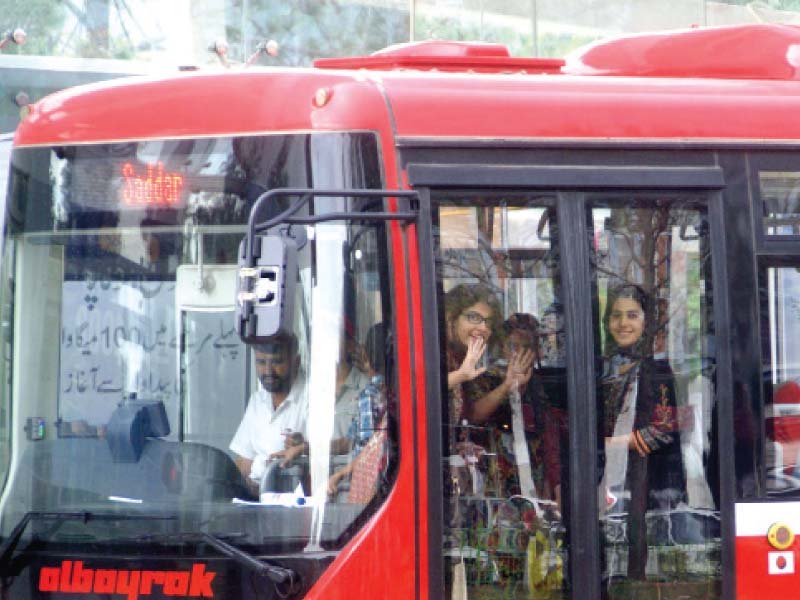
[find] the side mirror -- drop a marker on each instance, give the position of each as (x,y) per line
(265,296)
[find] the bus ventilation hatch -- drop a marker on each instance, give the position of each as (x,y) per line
(763,51)
(447,56)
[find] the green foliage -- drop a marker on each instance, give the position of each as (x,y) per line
(42,21)
(776,4)
(444,27)
(309,29)
(120,49)
(558,45)
(46,24)
(519,41)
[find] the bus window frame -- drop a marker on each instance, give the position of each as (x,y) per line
(763,264)
(777,244)
(573,185)
(391,300)
(770,251)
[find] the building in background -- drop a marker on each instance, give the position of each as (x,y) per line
(70,42)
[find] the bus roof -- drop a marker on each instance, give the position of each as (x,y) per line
(697,84)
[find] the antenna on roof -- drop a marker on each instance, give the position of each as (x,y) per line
(220,48)
(268,47)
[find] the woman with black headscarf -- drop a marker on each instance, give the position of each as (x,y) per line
(642,466)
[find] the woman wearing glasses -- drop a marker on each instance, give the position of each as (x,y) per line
(473,320)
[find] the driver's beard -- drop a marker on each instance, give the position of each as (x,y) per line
(279,385)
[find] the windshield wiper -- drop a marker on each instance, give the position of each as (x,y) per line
(279,576)
(9,544)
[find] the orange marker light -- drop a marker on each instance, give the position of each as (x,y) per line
(322,96)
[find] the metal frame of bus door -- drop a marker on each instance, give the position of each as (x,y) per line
(577,292)
(432,351)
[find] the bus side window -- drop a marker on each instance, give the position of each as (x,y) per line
(780,195)
(780,342)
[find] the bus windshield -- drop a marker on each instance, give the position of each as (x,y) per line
(125,386)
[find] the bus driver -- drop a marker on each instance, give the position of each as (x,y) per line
(274,423)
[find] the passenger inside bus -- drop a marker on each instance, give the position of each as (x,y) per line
(350,380)
(473,322)
(642,466)
(516,427)
(274,425)
(358,480)
(477,390)
(471,315)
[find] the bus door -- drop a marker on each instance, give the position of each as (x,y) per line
(574,410)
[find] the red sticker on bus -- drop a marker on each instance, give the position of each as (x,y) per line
(72,578)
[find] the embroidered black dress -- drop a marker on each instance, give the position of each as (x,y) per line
(654,475)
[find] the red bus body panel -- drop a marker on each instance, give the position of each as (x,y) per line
(504,107)
(763,571)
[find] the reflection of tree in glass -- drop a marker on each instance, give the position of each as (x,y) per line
(639,246)
(479,264)
(477,257)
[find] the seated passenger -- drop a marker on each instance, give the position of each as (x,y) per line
(369,458)
(350,380)
(275,421)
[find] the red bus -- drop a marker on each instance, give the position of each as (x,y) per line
(432,323)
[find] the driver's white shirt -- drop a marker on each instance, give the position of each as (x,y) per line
(263,429)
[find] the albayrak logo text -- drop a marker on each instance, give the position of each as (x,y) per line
(72,577)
